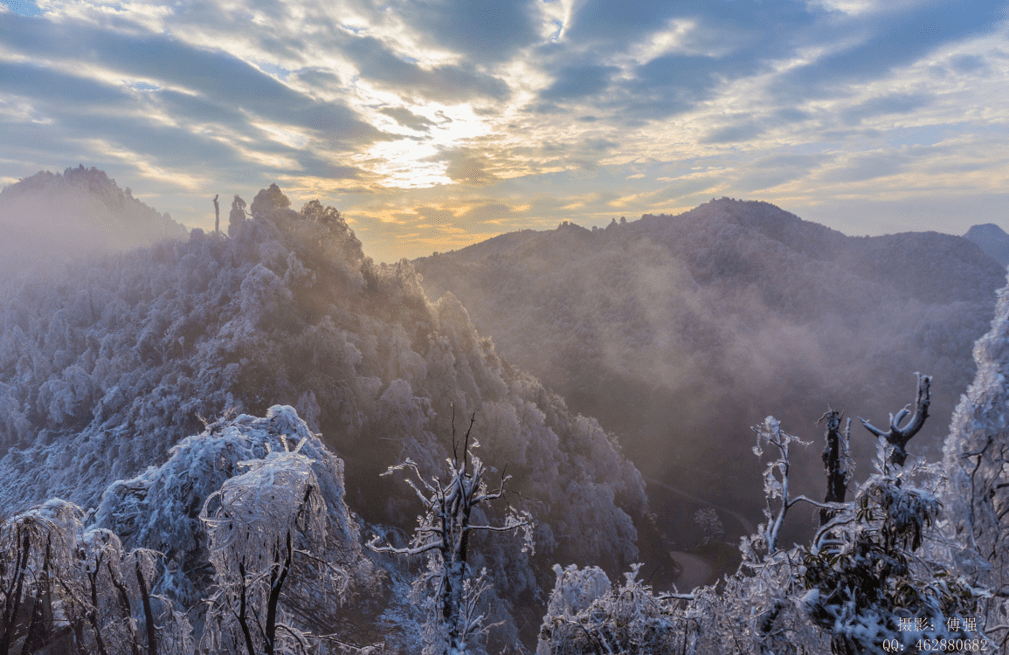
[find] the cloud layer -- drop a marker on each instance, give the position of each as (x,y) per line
(434,124)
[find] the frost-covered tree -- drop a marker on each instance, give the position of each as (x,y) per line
(976,459)
(448,588)
(38,557)
(252,493)
(586,615)
(707,519)
(66,586)
(254,523)
(237,215)
(896,435)
(877,575)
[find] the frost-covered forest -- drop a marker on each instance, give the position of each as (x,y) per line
(258,440)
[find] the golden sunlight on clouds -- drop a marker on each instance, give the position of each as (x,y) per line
(283,135)
(406,164)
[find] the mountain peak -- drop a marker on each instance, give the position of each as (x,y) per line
(992,239)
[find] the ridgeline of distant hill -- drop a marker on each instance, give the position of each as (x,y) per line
(680,332)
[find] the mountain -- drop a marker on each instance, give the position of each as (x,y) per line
(50,218)
(107,364)
(991,239)
(680,332)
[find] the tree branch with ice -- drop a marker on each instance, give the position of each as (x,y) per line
(443,533)
(898,436)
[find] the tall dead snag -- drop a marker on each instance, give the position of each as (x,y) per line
(217,215)
(836,460)
(454,623)
(898,436)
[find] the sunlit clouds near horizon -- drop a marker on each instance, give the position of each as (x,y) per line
(435,124)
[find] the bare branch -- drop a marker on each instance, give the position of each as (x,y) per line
(898,436)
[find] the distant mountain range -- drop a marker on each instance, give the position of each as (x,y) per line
(679,332)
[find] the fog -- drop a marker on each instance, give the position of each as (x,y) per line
(49,218)
(680,333)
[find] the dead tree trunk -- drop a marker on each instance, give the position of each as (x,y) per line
(898,436)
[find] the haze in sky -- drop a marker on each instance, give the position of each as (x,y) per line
(435,124)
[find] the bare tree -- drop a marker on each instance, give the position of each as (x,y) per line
(454,622)
(898,436)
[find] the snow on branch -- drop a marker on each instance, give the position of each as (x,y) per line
(258,517)
(898,436)
(443,532)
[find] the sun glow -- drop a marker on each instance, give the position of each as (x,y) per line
(421,161)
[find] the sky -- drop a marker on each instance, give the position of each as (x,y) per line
(434,124)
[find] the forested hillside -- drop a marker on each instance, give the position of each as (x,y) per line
(679,332)
(107,363)
(992,239)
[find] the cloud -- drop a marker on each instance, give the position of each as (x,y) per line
(894,38)
(896,103)
(407,118)
(177,65)
(485,31)
(316,167)
(493,213)
(606,20)
(574,82)
(775,170)
(967,64)
(675,83)
(436,216)
(867,166)
(56,88)
(453,83)
(465,165)
(734,133)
